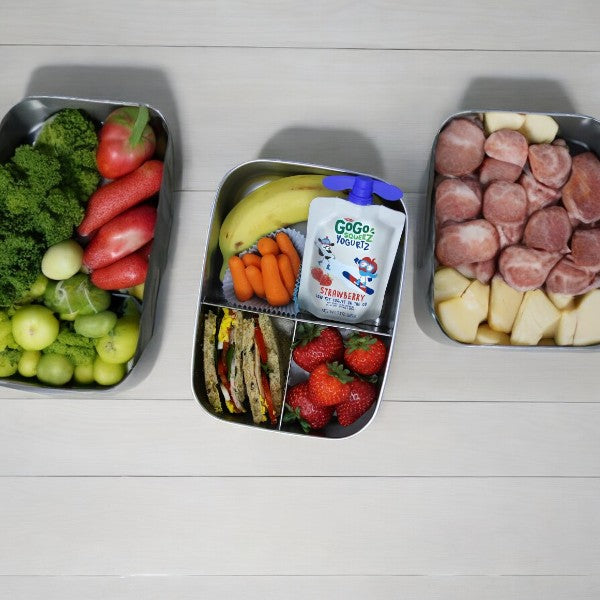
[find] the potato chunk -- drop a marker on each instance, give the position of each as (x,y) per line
(494,121)
(486,336)
(565,331)
(587,330)
(539,129)
(504,305)
(536,317)
(561,301)
(448,283)
(460,317)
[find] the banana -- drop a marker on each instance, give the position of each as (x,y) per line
(272,206)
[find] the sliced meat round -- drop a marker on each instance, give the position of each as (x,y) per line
(524,268)
(581,193)
(508,146)
(483,271)
(469,242)
(504,203)
(457,200)
(550,164)
(538,194)
(585,248)
(568,278)
(498,170)
(459,148)
(548,229)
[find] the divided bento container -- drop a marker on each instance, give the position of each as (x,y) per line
(581,132)
(237,184)
(21,125)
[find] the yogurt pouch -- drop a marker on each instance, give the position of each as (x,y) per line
(350,249)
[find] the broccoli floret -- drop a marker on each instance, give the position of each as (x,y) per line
(77,348)
(9,361)
(37,171)
(71,137)
(20,258)
(7,341)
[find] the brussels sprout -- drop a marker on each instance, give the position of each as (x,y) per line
(76,296)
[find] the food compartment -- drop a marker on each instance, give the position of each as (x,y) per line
(133,307)
(511,251)
(280,194)
(320,351)
(241,362)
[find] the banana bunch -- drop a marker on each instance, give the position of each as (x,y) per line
(272,206)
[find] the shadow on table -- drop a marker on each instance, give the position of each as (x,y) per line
(339,148)
(125,84)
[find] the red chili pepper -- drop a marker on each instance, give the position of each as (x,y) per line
(126,141)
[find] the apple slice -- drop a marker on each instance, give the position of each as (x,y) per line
(565,331)
(460,317)
(539,129)
(494,121)
(448,283)
(561,301)
(504,305)
(536,317)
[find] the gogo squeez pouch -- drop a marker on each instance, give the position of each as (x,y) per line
(350,249)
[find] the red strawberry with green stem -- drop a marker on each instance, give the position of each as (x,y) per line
(364,354)
(300,408)
(316,344)
(362,396)
(329,384)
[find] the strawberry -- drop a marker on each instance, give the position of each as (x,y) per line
(362,396)
(328,384)
(316,344)
(364,354)
(316,273)
(300,408)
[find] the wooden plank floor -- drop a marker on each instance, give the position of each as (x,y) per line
(480,475)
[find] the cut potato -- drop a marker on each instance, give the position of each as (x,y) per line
(502,120)
(536,316)
(561,301)
(504,305)
(539,129)
(488,337)
(448,283)
(587,329)
(565,331)
(546,342)
(460,317)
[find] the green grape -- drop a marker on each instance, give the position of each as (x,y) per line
(28,363)
(54,369)
(95,326)
(106,373)
(120,344)
(84,374)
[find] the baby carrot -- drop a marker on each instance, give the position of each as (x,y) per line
(241,286)
(251,259)
(276,293)
(267,245)
(286,246)
(256,280)
(287,273)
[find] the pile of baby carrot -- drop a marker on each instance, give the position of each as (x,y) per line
(270,275)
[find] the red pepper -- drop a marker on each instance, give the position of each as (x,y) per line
(269,399)
(260,342)
(126,141)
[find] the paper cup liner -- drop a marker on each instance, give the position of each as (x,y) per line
(256,303)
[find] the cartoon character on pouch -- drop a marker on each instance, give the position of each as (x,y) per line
(367,269)
(324,246)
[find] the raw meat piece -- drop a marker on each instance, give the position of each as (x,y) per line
(538,194)
(469,242)
(550,164)
(585,248)
(508,146)
(568,278)
(510,234)
(483,271)
(457,200)
(459,149)
(526,269)
(504,203)
(581,193)
(548,229)
(498,170)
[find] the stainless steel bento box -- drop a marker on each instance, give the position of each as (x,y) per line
(21,126)
(238,183)
(581,132)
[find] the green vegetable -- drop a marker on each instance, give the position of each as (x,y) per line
(76,296)
(41,191)
(71,137)
(77,348)
(9,362)
(7,341)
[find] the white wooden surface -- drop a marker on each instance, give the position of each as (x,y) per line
(479,477)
